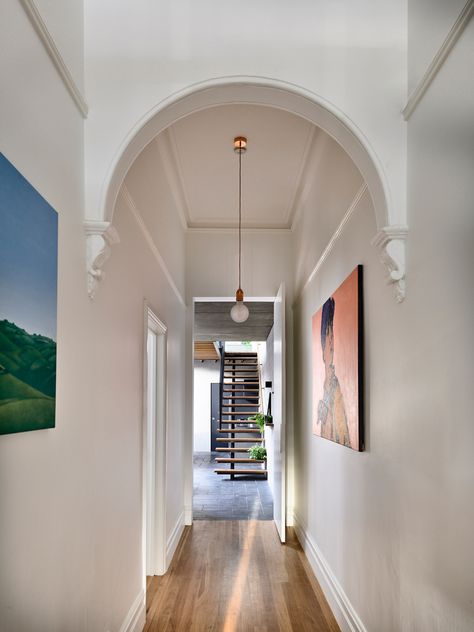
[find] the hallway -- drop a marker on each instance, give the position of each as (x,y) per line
(235,576)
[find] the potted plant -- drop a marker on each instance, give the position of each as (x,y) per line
(258,453)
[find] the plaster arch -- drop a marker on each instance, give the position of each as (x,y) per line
(253,91)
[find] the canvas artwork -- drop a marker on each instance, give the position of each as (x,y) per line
(337,365)
(28,303)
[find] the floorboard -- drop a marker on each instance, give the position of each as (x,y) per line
(235,576)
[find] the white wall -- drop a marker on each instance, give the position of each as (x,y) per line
(333,182)
(151,193)
(212,263)
(205,373)
(394,524)
(70,497)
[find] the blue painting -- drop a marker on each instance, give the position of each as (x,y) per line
(28,304)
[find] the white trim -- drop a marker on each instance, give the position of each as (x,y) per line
(136,617)
(41,29)
(100,237)
(391,241)
(154,446)
(331,243)
(343,610)
(172,165)
(188,516)
(174,538)
(259,91)
(233,230)
(149,239)
(439,59)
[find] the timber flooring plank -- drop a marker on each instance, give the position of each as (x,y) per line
(235,576)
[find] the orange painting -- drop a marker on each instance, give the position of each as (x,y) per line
(337,365)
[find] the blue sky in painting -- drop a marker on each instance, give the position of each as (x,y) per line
(28,254)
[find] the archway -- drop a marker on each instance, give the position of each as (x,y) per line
(391,235)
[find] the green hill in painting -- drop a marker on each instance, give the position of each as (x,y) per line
(27,380)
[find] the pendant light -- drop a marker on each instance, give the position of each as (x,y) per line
(239,312)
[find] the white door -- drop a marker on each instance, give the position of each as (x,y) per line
(154,445)
(279,461)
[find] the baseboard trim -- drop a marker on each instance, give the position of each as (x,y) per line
(343,610)
(136,616)
(188,516)
(174,539)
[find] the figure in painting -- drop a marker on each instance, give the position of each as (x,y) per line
(331,410)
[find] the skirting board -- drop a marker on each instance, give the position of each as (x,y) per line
(343,610)
(188,516)
(174,539)
(136,616)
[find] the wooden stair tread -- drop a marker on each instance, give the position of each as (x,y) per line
(241,363)
(240,471)
(246,413)
(234,405)
(237,460)
(232,450)
(242,397)
(237,421)
(239,439)
(233,383)
(251,430)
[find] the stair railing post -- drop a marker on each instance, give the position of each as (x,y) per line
(221,381)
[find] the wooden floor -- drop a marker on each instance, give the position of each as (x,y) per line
(235,576)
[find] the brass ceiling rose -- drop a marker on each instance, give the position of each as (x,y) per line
(240,144)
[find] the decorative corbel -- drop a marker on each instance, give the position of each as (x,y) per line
(100,236)
(391,241)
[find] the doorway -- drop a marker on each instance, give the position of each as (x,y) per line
(228,483)
(154,445)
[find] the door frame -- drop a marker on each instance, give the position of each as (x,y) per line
(154,448)
(190,450)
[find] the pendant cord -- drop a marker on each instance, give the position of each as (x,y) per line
(240,216)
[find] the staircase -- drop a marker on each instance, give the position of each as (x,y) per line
(240,399)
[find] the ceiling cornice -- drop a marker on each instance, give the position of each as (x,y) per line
(49,44)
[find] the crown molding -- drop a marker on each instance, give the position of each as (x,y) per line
(331,243)
(100,237)
(47,40)
(439,59)
(169,154)
(130,202)
(306,179)
(301,178)
(391,241)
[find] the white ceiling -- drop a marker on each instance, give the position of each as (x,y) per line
(199,153)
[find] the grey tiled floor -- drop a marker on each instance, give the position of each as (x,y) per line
(218,498)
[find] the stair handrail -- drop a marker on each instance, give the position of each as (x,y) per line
(260,381)
(221,347)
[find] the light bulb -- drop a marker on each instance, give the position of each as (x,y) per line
(239,312)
